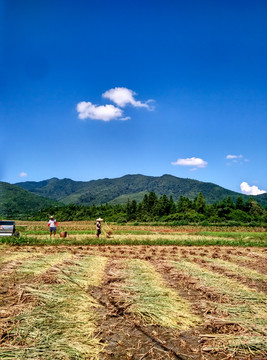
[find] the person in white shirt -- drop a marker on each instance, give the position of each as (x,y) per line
(52,224)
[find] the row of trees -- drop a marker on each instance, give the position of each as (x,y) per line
(164,208)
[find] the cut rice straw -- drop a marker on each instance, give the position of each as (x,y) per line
(153,301)
(63,325)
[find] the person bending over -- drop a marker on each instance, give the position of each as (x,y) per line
(98,227)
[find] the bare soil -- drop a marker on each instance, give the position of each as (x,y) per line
(126,336)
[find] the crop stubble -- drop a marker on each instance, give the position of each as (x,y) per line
(118,331)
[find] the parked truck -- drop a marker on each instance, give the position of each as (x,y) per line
(8,228)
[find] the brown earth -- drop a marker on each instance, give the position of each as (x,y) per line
(126,336)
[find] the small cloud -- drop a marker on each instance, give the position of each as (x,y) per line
(23,174)
(231,157)
(250,190)
(126,118)
(87,110)
(122,96)
(193,162)
(236,159)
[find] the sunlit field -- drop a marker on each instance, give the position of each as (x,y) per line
(138,292)
(83,233)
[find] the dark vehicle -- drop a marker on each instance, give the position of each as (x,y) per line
(8,228)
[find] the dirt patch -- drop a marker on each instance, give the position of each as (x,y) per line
(203,300)
(259,265)
(124,335)
(127,337)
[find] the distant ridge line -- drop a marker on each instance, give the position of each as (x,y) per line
(132,186)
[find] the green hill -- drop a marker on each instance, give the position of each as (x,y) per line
(16,202)
(118,190)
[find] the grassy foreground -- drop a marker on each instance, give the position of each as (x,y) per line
(83,233)
(209,241)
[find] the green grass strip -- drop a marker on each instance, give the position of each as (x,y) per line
(63,325)
(153,300)
(89,232)
(160,241)
(46,232)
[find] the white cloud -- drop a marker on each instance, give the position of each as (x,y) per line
(23,174)
(236,159)
(231,157)
(122,96)
(250,190)
(194,162)
(87,110)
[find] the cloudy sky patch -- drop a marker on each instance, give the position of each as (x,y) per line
(87,110)
(122,96)
(232,157)
(250,190)
(192,162)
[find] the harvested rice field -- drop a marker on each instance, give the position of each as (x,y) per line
(138,302)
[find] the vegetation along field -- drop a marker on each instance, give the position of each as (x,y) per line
(138,292)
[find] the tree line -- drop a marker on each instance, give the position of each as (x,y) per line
(164,209)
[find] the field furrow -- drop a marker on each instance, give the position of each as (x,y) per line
(126,333)
(238,304)
(146,292)
(61,323)
(242,274)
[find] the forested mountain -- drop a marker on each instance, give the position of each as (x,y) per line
(15,201)
(132,187)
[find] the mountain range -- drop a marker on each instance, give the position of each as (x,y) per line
(16,202)
(26,198)
(133,187)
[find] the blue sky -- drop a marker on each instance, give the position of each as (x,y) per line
(95,89)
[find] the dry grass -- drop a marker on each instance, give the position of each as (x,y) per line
(7,257)
(125,237)
(242,305)
(90,225)
(41,264)
(63,324)
(153,300)
(235,269)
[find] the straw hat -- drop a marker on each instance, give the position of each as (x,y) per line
(51,217)
(99,219)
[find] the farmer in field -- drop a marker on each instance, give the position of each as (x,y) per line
(52,224)
(98,227)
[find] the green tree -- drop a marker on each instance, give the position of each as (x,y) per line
(200,203)
(183,204)
(240,204)
(172,206)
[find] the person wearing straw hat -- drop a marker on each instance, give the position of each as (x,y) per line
(98,227)
(52,224)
